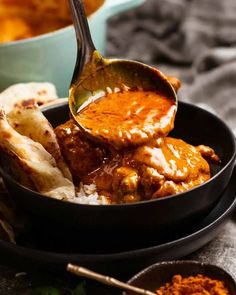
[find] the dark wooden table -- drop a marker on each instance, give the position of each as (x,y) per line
(221,251)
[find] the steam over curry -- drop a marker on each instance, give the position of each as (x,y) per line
(127,153)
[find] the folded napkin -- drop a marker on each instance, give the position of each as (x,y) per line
(192,39)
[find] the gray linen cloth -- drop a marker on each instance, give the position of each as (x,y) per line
(192,39)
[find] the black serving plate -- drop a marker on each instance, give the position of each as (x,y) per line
(32,252)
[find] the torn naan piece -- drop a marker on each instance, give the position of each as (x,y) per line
(34,160)
(8,219)
(11,167)
(12,220)
(2,186)
(6,231)
(27,94)
(32,123)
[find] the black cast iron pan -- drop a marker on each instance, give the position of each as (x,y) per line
(168,214)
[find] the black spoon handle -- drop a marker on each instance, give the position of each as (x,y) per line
(85,46)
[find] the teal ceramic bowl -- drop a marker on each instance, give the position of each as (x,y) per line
(51,57)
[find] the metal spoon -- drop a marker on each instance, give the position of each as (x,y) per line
(95,75)
(83,272)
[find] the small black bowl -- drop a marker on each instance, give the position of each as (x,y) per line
(144,219)
(157,275)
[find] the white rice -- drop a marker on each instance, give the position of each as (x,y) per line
(88,195)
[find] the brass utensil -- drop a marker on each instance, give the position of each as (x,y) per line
(83,272)
(95,75)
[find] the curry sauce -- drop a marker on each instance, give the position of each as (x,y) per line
(21,19)
(128,118)
(131,158)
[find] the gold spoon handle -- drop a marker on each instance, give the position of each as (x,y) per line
(80,271)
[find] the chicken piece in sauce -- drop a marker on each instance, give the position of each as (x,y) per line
(81,155)
(164,167)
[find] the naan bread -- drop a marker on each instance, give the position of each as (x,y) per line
(22,95)
(7,219)
(12,222)
(36,162)
(12,167)
(38,166)
(6,231)
(32,123)
(2,186)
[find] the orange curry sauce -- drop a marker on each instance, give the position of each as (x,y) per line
(128,118)
(131,159)
(22,19)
